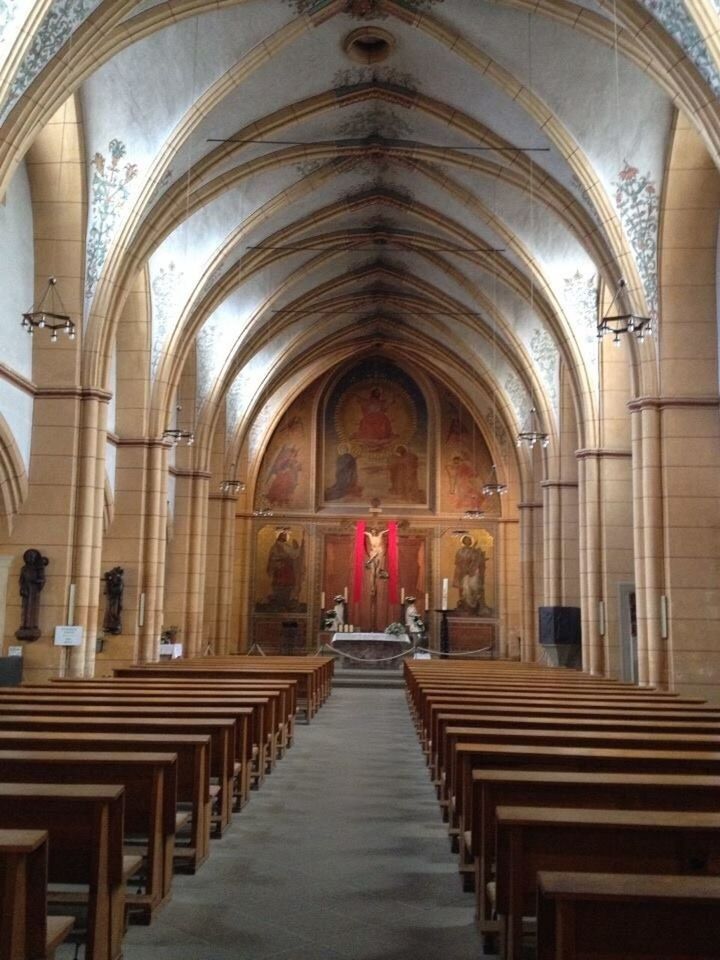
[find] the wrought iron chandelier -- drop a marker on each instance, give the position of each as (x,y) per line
(232,486)
(622,323)
(533,435)
(177,436)
(493,486)
(52,318)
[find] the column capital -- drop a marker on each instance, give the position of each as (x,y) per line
(659,403)
(531,505)
(603,453)
(561,484)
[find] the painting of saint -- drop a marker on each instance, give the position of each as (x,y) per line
(469,578)
(469,565)
(375,437)
(284,476)
(346,476)
(283,479)
(281,579)
(375,427)
(466,461)
(404,474)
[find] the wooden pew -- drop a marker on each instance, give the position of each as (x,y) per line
(286,689)
(531,839)
(627,917)
(238,715)
(311,678)
(85,833)
(193,772)
(571,789)
(619,740)
(549,702)
(249,714)
(26,931)
(221,733)
(475,756)
(562,720)
(149,780)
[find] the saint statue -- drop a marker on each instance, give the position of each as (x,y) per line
(413,621)
(32,580)
(114,587)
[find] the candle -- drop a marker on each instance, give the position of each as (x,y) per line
(71,605)
(445,584)
(322,600)
(345,594)
(427,601)
(141,611)
(402,594)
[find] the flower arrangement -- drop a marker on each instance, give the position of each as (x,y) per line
(169,634)
(395,629)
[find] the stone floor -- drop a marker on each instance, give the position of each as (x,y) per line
(340,856)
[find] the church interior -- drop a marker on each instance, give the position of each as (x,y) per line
(394,318)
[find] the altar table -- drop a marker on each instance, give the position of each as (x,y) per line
(371,650)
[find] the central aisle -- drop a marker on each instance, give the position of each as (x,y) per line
(340,856)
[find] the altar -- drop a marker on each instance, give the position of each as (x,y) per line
(371,650)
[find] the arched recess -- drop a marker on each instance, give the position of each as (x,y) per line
(13,478)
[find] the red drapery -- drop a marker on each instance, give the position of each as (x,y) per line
(359,566)
(393,563)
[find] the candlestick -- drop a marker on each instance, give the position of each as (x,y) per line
(402,594)
(345,594)
(322,600)
(445,584)
(427,602)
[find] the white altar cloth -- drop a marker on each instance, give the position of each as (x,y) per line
(373,637)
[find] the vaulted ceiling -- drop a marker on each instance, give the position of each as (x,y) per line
(455,182)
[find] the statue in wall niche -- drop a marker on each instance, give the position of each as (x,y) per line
(32,580)
(114,586)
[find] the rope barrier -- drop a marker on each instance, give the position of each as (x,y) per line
(398,656)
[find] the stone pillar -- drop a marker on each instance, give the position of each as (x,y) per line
(589,505)
(152,582)
(529,512)
(89,527)
(552,540)
(225,505)
(196,563)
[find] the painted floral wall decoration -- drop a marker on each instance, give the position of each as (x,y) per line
(8,9)
(637,201)
(61,20)
(108,195)
(544,352)
(165,285)
(517,395)
(580,296)
(673,15)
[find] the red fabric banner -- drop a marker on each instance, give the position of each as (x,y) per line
(359,567)
(393,563)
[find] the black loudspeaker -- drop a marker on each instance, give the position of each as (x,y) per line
(559,632)
(11,671)
(560,625)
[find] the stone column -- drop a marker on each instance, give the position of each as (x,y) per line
(226,550)
(552,559)
(591,589)
(89,526)
(528,519)
(152,582)
(196,562)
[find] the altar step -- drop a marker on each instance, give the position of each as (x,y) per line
(369,679)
